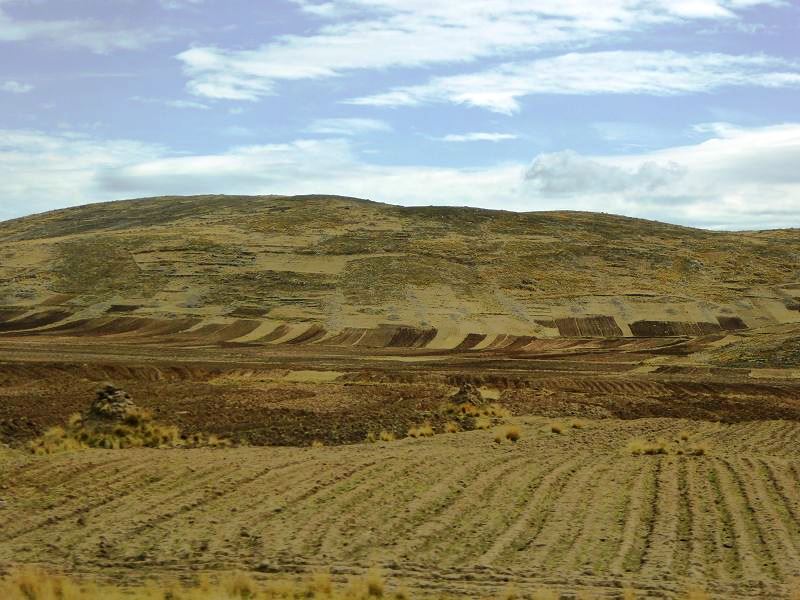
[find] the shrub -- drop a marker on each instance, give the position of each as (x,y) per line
(557,427)
(371,438)
(451,427)
(387,436)
(136,430)
(317,444)
(512,433)
(640,447)
(424,430)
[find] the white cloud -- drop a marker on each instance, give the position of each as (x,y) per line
(93,35)
(347,126)
(737,178)
(15,87)
(478,137)
(172,103)
(41,171)
(566,173)
(178,4)
(617,72)
(380,34)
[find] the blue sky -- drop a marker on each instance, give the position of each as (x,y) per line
(686,111)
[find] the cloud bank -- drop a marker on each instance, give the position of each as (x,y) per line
(737,178)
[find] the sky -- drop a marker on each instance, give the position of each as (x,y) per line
(685,111)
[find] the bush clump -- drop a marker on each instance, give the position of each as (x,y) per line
(114,422)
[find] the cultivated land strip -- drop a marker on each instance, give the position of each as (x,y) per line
(455,513)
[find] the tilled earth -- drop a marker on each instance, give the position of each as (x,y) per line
(279,397)
(457,513)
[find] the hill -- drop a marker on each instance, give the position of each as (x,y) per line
(346,272)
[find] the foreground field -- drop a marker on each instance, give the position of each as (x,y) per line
(456,513)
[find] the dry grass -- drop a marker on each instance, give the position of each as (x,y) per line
(386,436)
(451,427)
(423,430)
(681,447)
(639,447)
(136,430)
(31,583)
(557,427)
(513,433)
(317,444)
(36,584)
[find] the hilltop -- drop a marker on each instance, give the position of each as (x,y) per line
(349,272)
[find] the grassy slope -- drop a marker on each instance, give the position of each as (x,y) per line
(342,261)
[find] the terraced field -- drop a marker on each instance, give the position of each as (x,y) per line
(457,513)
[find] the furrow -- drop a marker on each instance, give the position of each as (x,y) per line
(553,529)
(603,526)
(425,537)
(637,520)
(754,553)
(771,515)
(474,533)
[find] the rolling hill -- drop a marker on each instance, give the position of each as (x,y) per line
(343,272)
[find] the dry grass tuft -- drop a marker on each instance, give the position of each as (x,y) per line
(317,444)
(32,583)
(423,430)
(451,427)
(681,447)
(513,433)
(386,436)
(578,424)
(557,427)
(640,447)
(136,430)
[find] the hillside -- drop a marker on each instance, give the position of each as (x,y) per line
(345,272)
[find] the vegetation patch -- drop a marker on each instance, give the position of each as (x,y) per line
(681,446)
(113,421)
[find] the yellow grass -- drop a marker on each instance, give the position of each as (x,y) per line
(512,433)
(136,430)
(423,430)
(451,427)
(386,436)
(31,583)
(639,447)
